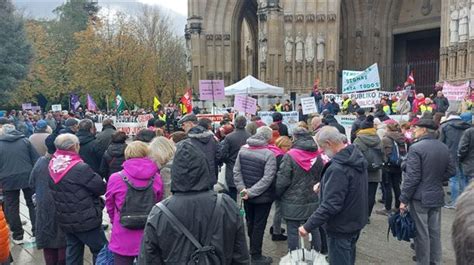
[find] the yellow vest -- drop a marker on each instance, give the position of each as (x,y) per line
(183,108)
(278,107)
(394,107)
(424,108)
(386,109)
(162,117)
(345,104)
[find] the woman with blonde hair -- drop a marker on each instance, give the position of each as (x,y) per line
(162,151)
(139,181)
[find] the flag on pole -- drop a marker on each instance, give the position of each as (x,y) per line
(156,103)
(75,103)
(119,103)
(187,100)
(410,79)
(91,103)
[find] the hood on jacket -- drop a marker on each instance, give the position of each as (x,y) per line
(351,157)
(190,171)
(61,163)
(116,149)
(457,123)
(12,136)
(85,137)
(305,144)
(201,134)
(396,136)
(369,137)
(140,168)
(329,119)
(108,126)
(257,141)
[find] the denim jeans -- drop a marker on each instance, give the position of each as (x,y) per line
(94,239)
(342,251)
(457,183)
(277,218)
(293,236)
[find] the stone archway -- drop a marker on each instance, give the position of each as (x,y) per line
(245,12)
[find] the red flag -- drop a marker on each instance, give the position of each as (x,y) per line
(410,79)
(187,100)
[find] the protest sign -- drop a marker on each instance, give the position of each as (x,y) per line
(56,107)
(388,94)
(26,106)
(455,92)
(145,118)
(355,81)
(290,119)
(217,118)
(364,99)
(308,105)
(35,108)
(211,90)
(245,104)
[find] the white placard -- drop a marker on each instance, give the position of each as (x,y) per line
(56,107)
(308,105)
(355,81)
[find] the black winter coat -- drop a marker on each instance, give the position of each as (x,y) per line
(77,198)
(450,133)
(283,129)
(192,203)
(331,121)
(229,149)
(466,152)
(48,234)
(104,138)
(428,164)
(356,127)
(17,158)
(442,104)
(89,150)
(206,142)
(344,195)
(112,160)
(294,185)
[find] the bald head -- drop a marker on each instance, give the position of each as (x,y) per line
(316,122)
(67,142)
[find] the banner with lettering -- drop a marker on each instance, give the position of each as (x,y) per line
(356,81)
(364,99)
(455,92)
(290,119)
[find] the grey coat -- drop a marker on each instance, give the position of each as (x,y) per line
(294,185)
(466,152)
(270,167)
(370,140)
(428,164)
(104,138)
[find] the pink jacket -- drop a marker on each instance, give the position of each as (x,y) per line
(139,171)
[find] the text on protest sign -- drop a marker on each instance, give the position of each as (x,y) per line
(355,81)
(364,99)
(26,106)
(245,104)
(308,105)
(457,93)
(215,117)
(211,90)
(56,107)
(290,119)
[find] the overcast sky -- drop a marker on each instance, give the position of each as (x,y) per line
(179,6)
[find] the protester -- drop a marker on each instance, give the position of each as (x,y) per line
(49,237)
(187,122)
(138,184)
(354,106)
(318,96)
(89,151)
(344,201)
(370,145)
(39,136)
(114,156)
(330,120)
(4,239)
(360,113)
(51,121)
(428,165)
(346,102)
(71,126)
(462,229)
(278,106)
(297,175)
(17,158)
(145,135)
(76,191)
(278,120)
(104,138)
(426,106)
(466,154)
(254,173)
(441,102)
(316,124)
(193,204)
(301,116)
(450,133)
(392,172)
(403,105)
(420,99)
(162,151)
(465,105)
(229,149)
(288,106)
(178,136)
(275,132)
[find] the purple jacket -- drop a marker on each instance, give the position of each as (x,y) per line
(124,241)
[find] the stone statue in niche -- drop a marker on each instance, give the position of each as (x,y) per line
(309,45)
(377,52)
(188,56)
(263,51)
(299,48)
(471,21)
(453,25)
(321,44)
(289,43)
(463,21)
(358,48)
(426,7)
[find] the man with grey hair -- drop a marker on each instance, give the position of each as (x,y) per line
(344,196)
(428,164)
(90,149)
(254,172)
(229,149)
(76,190)
(17,158)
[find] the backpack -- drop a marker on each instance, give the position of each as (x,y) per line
(205,254)
(138,203)
(402,226)
(397,155)
(374,157)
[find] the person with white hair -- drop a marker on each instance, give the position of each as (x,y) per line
(344,196)
(254,172)
(76,191)
(17,158)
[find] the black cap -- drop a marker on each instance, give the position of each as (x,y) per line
(427,123)
(188,117)
(71,122)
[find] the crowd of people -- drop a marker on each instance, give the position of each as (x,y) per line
(157,188)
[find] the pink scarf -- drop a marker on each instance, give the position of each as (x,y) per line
(61,164)
(276,151)
(305,159)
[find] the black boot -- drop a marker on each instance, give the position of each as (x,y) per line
(261,260)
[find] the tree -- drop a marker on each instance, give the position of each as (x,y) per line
(15,51)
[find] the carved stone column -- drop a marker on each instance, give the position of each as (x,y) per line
(320,70)
(309,74)
(263,71)
(288,74)
(299,74)
(461,60)
(331,66)
(470,59)
(452,62)
(443,63)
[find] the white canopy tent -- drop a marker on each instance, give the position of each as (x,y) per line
(252,86)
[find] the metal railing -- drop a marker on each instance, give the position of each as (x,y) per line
(426,74)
